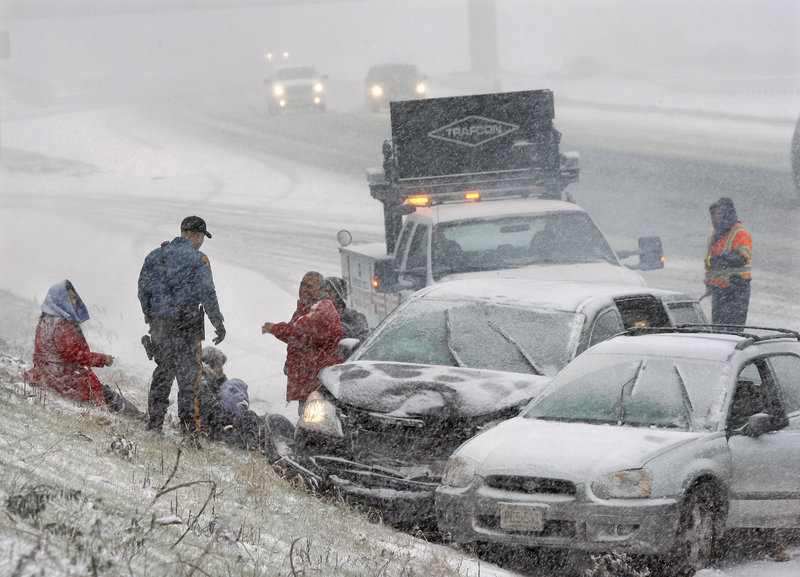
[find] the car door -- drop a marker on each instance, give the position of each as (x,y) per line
(765,470)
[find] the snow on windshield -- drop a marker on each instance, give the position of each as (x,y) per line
(636,391)
(477,335)
(511,242)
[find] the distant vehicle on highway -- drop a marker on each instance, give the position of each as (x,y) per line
(387,82)
(296,87)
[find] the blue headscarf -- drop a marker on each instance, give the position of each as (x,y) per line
(233,396)
(58,303)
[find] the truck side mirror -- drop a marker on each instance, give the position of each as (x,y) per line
(386,277)
(650,251)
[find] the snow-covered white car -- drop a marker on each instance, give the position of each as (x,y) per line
(653,443)
(452,360)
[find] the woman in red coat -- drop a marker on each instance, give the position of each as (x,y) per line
(61,357)
(312,338)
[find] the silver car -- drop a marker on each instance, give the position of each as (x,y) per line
(653,443)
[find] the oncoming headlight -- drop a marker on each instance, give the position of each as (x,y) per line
(319,415)
(318,87)
(278,90)
(421,88)
(376,90)
(629,484)
(458,472)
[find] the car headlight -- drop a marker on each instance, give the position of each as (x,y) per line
(458,472)
(376,91)
(318,87)
(319,416)
(628,484)
(421,88)
(278,91)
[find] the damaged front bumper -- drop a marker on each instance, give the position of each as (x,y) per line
(398,493)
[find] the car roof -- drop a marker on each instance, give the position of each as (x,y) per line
(490,208)
(532,293)
(697,345)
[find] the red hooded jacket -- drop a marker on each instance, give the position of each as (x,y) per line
(60,360)
(312,339)
(61,355)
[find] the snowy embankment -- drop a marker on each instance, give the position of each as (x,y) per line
(88,493)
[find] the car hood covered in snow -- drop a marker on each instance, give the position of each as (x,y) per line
(405,389)
(575,451)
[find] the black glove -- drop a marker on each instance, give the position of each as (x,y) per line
(220,335)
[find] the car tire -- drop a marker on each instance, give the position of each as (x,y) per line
(698,535)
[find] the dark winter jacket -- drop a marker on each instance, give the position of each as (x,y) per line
(175,279)
(61,357)
(312,340)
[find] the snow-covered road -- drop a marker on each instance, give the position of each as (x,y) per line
(87,195)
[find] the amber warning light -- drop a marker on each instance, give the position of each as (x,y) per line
(473,196)
(418,200)
(375,282)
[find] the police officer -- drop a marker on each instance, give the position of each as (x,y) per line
(727,264)
(175,287)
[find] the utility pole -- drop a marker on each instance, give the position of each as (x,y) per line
(483,52)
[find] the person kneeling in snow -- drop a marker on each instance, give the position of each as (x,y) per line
(61,357)
(225,411)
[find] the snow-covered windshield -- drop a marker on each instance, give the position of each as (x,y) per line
(477,335)
(662,392)
(515,241)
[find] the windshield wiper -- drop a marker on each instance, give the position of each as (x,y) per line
(450,347)
(687,402)
(519,347)
(632,383)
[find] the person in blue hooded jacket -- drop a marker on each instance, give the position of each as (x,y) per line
(175,288)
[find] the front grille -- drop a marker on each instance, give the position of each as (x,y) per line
(552,527)
(531,485)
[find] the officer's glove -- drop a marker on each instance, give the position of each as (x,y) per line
(220,335)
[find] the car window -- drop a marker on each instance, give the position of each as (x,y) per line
(748,396)
(786,369)
(418,252)
(640,391)
(295,73)
(605,326)
(686,313)
(476,335)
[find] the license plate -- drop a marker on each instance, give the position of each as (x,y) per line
(521,517)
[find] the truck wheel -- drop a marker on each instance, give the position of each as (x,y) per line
(698,535)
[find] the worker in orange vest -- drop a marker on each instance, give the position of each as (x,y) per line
(727,263)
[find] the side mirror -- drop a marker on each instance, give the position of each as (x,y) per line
(759,424)
(386,278)
(347,346)
(650,251)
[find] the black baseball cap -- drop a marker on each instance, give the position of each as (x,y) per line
(194,224)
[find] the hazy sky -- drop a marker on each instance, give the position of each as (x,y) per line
(728,38)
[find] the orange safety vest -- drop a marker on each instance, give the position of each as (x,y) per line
(737,239)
